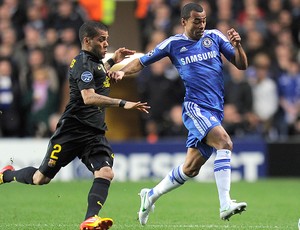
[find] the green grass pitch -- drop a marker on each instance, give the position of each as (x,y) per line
(272,204)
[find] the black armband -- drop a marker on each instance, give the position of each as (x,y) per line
(111,62)
(122,103)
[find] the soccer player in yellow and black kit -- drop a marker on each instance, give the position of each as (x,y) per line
(81,129)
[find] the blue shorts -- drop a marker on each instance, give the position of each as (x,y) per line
(199,121)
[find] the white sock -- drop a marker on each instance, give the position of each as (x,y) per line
(174,179)
(222,170)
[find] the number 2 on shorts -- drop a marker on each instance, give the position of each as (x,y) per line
(56,150)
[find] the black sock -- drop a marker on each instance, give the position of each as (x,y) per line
(97,196)
(24,175)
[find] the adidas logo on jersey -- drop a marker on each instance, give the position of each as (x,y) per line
(183,49)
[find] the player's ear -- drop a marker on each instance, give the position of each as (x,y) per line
(86,40)
(183,22)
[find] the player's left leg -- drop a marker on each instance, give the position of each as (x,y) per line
(96,199)
(99,161)
(222,171)
(174,179)
(5,169)
(24,175)
(219,138)
(96,222)
(99,191)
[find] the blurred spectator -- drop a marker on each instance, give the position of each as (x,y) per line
(161,21)
(35,17)
(15,11)
(8,41)
(273,9)
(42,99)
(285,38)
(10,124)
(174,124)
(254,44)
(224,9)
(252,10)
(63,57)
(38,84)
(60,62)
(68,35)
(43,6)
(265,96)
(283,57)
(32,40)
(146,21)
(68,15)
(36,60)
(156,37)
(289,94)
(285,19)
(51,39)
(159,85)
(238,103)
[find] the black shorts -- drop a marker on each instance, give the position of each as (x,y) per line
(70,140)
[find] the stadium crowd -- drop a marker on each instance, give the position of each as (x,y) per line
(39,39)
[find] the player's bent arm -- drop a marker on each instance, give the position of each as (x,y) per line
(240,58)
(132,67)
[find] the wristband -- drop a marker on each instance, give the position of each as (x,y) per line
(122,103)
(111,62)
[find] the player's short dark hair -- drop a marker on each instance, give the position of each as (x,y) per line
(188,8)
(91,29)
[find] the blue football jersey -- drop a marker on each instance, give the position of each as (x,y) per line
(199,64)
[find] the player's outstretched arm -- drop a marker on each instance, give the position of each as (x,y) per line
(132,67)
(90,97)
(240,57)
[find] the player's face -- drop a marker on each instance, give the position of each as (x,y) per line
(98,45)
(194,26)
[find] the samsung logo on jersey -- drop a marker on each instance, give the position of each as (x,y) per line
(198,57)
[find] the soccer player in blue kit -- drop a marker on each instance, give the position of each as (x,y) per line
(197,56)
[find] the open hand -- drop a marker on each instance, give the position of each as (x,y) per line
(122,53)
(141,106)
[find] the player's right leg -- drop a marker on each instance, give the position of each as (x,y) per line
(219,138)
(232,209)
